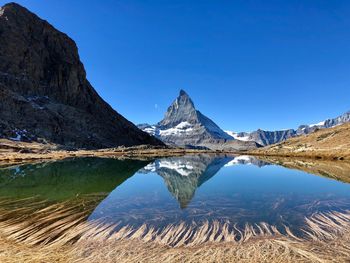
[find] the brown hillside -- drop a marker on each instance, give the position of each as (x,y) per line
(332,143)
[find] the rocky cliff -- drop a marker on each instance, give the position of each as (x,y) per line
(271,137)
(184,125)
(44,92)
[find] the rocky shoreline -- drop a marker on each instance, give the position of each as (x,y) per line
(17,152)
(14,152)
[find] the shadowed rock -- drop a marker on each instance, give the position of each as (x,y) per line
(44,92)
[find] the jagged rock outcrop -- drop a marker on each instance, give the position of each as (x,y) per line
(44,92)
(183,125)
(271,137)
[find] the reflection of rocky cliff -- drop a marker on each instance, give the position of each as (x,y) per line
(183,175)
(64,180)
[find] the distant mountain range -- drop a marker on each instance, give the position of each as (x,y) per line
(271,137)
(185,126)
(329,143)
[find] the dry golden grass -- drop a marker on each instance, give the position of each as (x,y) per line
(32,231)
(9,146)
(12,152)
(332,143)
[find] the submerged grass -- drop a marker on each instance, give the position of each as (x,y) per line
(34,231)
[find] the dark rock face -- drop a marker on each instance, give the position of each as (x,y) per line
(44,91)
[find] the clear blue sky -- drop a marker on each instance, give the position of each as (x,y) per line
(246,64)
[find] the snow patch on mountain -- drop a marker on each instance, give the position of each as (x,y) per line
(152,130)
(19,135)
(239,136)
(317,124)
(185,126)
(180,129)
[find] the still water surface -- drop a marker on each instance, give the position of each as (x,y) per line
(192,189)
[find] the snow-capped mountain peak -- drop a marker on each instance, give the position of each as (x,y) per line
(183,125)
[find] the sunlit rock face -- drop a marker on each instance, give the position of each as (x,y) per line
(183,125)
(44,91)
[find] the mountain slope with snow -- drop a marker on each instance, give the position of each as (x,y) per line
(184,125)
(272,137)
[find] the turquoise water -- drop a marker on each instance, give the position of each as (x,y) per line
(181,189)
(241,190)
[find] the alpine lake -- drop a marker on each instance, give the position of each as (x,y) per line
(220,193)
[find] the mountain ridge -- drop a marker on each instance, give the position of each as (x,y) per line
(183,125)
(183,110)
(265,137)
(45,94)
(328,143)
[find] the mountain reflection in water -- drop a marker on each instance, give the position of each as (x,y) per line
(183,175)
(238,189)
(66,179)
(191,189)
